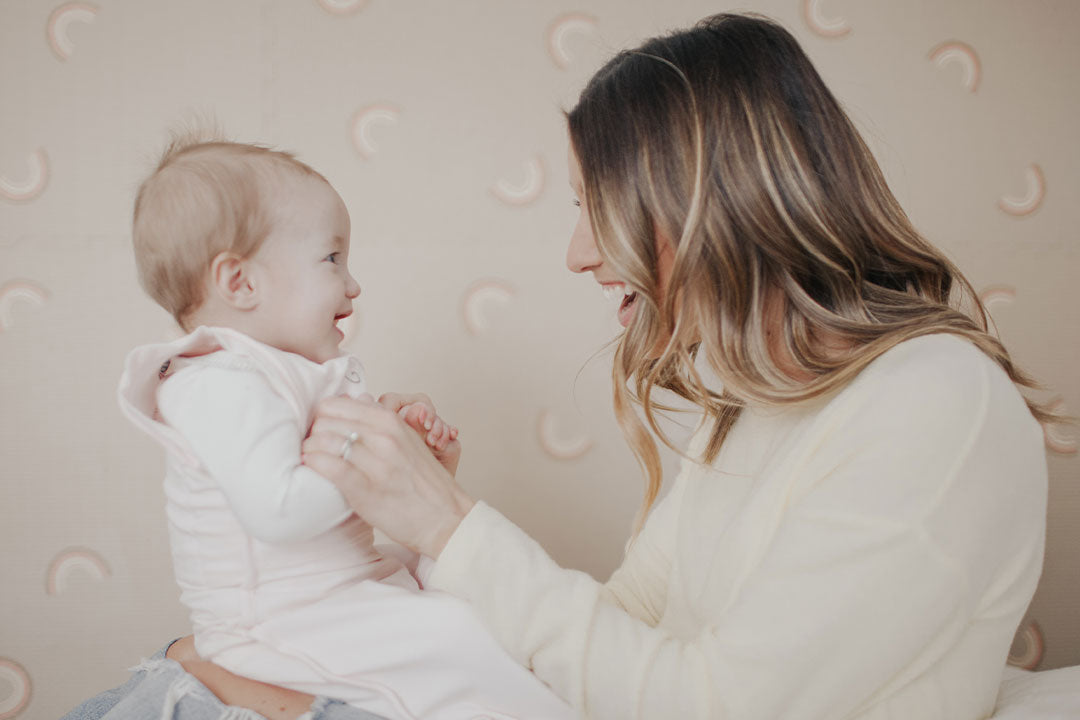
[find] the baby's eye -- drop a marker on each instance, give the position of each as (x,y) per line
(333,257)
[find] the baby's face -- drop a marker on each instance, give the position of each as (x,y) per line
(305,286)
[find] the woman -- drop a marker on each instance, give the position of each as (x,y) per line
(858,526)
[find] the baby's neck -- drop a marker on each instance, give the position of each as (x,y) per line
(231,318)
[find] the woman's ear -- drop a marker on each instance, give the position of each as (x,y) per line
(233,280)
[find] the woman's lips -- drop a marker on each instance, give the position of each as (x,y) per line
(627,300)
(627,308)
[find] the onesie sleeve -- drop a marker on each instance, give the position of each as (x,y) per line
(248,439)
(897,523)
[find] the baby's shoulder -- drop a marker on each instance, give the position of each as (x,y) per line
(228,360)
(209,379)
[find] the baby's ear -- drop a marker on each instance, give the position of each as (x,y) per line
(232,279)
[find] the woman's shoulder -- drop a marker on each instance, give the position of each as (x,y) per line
(943,378)
(939,355)
(936,366)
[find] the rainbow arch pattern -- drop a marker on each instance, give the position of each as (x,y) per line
(828,27)
(1032,199)
(556,444)
(15,293)
(959,53)
(74,561)
(32,185)
(476,300)
(14,675)
(60,20)
(562,28)
(526,191)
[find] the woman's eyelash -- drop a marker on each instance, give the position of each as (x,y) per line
(577,203)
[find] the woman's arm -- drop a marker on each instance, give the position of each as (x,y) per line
(270,701)
(885,545)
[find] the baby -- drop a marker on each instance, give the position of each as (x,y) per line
(247,248)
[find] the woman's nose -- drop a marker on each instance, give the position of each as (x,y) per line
(582,254)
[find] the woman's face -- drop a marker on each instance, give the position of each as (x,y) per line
(584,256)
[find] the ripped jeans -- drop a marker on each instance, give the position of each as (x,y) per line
(159,688)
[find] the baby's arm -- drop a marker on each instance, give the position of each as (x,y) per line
(248,439)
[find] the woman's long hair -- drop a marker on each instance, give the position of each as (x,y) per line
(723,141)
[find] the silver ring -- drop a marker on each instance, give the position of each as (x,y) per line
(347,446)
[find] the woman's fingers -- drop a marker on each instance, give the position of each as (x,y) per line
(362,409)
(332,426)
(391,477)
(343,416)
(321,441)
(350,481)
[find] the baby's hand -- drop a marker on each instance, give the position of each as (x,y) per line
(421,417)
(418,413)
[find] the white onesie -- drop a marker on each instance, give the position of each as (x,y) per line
(282,579)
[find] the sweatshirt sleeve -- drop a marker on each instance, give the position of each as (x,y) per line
(897,525)
(546,616)
(249,441)
(640,584)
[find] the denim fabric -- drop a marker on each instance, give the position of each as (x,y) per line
(159,688)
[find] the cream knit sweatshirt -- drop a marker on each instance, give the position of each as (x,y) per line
(867,555)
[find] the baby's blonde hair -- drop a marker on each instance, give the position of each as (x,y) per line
(207,195)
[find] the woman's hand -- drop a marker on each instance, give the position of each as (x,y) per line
(391,479)
(270,701)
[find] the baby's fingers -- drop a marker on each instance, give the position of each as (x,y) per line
(437,430)
(418,416)
(446,436)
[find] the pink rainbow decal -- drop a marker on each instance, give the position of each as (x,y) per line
(480,295)
(825,27)
(528,190)
(955,51)
(18,293)
(560,28)
(1056,438)
(342,7)
(997,295)
(29,188)
(74,560)
(1033,198)
(60,19)
(363,122)
(13,674)
(556,446)
(1028,647)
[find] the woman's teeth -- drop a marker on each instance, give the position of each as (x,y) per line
(616,291)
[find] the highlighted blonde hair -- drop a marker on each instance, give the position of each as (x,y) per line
(724,141)
(206,196)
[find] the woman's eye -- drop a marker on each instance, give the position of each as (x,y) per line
(577,203)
